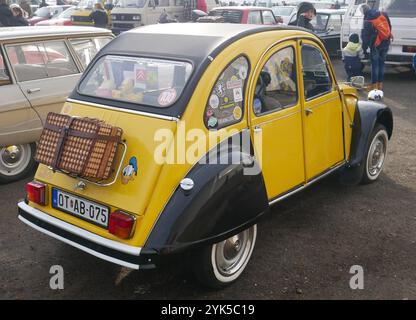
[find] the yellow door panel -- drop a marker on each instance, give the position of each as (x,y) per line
(322,113)
(276,120)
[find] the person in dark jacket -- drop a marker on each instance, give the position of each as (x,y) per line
(6,15)
(306,12)
(99,16)
(18,16)
(378,48)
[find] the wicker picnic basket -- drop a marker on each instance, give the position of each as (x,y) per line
(82,147)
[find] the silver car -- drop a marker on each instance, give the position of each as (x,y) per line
(39,67)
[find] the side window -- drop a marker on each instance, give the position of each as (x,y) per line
(316,76)
(276,87)
(4,73)
(254,17)
(226,100)
(41,60)
(335,22)
(85,49)
(268,17)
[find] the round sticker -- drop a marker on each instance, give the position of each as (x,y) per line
(214,101)
(226,99)
(237,112)
(167,97)
(210,112)
(212,122)
(220,89)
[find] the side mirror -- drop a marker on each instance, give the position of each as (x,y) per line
(357,82)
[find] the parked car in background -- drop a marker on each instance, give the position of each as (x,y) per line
(327,24)
(46,13)
(402,15)
(245,15)
(287,13)
(62,19)
(276,119)
(39,67)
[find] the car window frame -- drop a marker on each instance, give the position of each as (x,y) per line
(78,38)
(279,47)
(274,22)
(6,67)
(36,42)
(255,11)
(311,43)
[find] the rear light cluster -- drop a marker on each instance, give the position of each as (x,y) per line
(121,224)
(411,49)
(36,192)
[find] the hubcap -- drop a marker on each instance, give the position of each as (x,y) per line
(14,159)
(377,154)
(232,254)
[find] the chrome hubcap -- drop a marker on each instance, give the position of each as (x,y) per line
(232,254)
(14,159)
(377,154)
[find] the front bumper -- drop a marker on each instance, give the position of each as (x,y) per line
(103,248)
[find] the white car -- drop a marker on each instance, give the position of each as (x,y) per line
(287,13)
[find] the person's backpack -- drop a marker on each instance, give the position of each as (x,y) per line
(383,29)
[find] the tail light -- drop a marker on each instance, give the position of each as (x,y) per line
(121,224)
(36,192)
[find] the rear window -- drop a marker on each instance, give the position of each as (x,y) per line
(152,82)
(230,16)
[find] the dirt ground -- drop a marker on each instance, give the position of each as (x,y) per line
(304,250)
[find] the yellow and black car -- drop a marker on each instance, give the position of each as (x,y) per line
(219,122)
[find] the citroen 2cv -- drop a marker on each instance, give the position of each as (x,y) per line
(219,122)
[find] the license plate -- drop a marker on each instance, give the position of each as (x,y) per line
(79,207)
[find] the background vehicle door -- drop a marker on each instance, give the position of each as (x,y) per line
(322,112)
(46,73)
(276,121)
(16,117)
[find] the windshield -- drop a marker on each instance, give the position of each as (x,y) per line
(131,3)
(86,3)
(66,14)
(282,11)
(399,8)
(152,82)
(42,12)
(320,21)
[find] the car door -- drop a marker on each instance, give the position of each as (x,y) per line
(322,112)
(46,73)
(16,118)
(276,120)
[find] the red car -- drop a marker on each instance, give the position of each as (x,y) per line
(63,19)
(46,13)
(245,15)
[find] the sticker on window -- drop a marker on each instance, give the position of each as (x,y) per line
(226,101)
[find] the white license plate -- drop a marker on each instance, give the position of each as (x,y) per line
(82,208)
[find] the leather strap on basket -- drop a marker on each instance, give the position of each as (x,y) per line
(62,136)
(81,134)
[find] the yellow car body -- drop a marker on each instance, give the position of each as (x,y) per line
(292,147)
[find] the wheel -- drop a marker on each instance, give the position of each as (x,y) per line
(16,162)
(220,264)
(376,154)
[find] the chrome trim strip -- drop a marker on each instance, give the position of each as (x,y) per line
(78,246)
(286,195)
(135,251)
(146,114)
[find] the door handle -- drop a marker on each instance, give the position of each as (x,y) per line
(308,111)
(33,90)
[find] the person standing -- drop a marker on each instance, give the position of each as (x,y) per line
(18,13)
(6,15)
(376,35)
(306,12)
(99,16)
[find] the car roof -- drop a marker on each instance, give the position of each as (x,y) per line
(331,11)
(197,43)
(8,33)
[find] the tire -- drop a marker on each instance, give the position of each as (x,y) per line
(16,162)
(376,154)
(219,265)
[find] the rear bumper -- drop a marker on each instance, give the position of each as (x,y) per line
(103,248)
